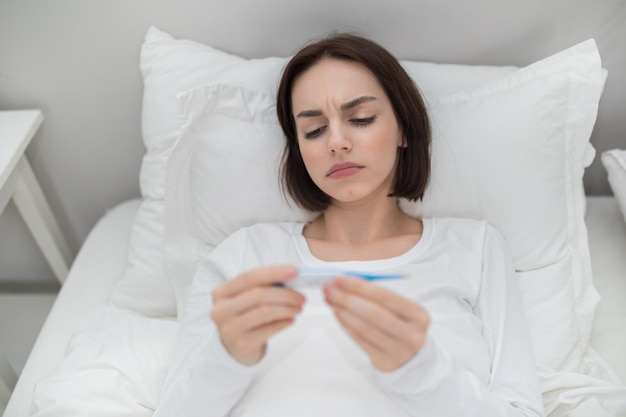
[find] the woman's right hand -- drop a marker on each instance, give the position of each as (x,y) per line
(248,310)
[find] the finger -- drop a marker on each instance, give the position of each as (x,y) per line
(384,359)
(248,332)
(255,298)
(392,301)
(355,326)
(369,314)
(264,316)
(372,349)
(261,276)
(381,360)
(250,347)
(261,335)
(397,337)
(386,352)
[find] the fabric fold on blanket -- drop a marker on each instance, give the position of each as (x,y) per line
(114,365)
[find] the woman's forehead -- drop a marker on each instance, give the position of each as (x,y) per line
(336,81)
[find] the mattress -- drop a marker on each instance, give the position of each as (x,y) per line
(101,261)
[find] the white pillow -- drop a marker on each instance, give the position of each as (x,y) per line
(222,175)
(614,162)
(511,152)
(514,154)
(170,66)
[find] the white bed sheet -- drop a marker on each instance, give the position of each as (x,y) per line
(146,343)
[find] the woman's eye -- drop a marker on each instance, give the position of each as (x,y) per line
(363,121)
(314,133)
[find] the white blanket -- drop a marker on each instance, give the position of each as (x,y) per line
(116,363)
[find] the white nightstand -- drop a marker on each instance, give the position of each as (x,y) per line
(18,182)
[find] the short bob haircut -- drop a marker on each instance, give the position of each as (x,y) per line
(413,167)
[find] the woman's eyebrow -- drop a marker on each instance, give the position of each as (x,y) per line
(345,106)
(357,101)
(309,113)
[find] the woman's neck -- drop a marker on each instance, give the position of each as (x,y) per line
(361,224)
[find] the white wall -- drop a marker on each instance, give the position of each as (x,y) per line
(77,61)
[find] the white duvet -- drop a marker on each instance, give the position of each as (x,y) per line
(116,363)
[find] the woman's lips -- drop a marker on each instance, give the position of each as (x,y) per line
(345,169)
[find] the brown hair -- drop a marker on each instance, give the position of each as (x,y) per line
(413,168)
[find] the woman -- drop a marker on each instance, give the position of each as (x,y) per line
(449,340)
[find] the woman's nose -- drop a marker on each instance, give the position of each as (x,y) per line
(338,141)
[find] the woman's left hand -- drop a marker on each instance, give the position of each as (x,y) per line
(387,326)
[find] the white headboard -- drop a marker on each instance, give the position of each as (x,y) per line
(78,62)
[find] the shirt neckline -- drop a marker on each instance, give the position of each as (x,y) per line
(376,264)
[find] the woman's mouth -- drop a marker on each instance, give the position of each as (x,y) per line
(344,169)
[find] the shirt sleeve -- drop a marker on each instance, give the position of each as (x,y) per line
(203,379)
(436,383)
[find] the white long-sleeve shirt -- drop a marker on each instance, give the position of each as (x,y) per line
(476,360)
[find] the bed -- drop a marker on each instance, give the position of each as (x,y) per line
(107,244)
(105,346)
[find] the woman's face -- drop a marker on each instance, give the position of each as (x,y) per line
(347,130)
